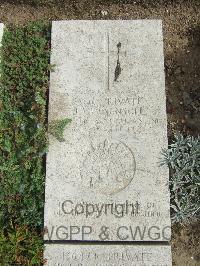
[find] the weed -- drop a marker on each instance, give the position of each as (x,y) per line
(57,127)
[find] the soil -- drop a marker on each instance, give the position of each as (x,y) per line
(186,244)
(181,26)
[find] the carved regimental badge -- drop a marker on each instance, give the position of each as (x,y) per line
(108,167)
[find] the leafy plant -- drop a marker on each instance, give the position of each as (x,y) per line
(25,57)
(183,159)
(20,246)
(57,127)
(24,82)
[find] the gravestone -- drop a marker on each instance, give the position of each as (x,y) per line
(107,255)
(104,181)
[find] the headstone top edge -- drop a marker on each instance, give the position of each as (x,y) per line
(132,21)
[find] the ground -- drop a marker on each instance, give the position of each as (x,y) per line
(181,27)
(186,244)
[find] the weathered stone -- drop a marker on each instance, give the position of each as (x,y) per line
(1,30)
(107,255)
(109,79)
(1,36)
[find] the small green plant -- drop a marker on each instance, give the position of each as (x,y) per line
(183,159)
(57,127)
(20,246)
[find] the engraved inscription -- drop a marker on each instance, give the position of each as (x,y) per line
(122,114)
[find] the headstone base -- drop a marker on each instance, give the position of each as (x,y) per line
(107,255)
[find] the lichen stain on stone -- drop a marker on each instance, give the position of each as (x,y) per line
(60,103)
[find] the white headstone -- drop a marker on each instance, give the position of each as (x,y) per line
(1,33)
(1,30)
(107,255)
(104,181)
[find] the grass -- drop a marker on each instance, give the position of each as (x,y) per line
(24,82)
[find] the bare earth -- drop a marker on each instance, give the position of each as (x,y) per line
(181,24)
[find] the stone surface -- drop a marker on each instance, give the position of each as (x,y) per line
(107,255)
(1,30)
(105,176)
